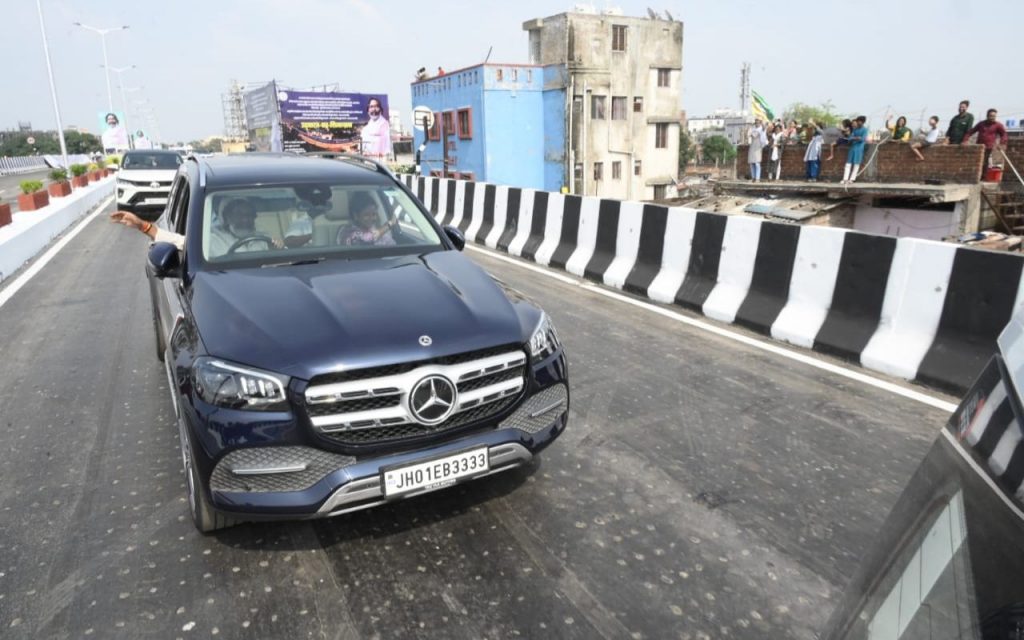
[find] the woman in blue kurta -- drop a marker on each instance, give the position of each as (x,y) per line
(855,154)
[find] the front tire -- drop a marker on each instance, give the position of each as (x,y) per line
(205,518)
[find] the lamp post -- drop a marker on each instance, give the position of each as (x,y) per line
(53,87)
(103,38)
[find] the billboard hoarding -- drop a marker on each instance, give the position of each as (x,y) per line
(339,122)
(114,136)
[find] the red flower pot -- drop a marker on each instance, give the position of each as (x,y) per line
(5,214)
(94,176)
(59,189)
(80,181)
(33,201)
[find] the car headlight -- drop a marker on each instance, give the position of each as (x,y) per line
(236,387)
(544,340)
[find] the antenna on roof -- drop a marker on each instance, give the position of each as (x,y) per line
(669,15)
(651,14)
(489,50)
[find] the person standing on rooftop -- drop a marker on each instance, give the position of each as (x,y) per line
(960,124)
(855,156)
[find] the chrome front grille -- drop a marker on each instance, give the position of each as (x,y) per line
(367,410)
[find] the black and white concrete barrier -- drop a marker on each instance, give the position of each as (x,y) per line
(916,309)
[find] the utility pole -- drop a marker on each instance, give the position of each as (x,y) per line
(53,87)
(745,88)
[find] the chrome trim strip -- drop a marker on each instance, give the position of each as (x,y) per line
(266,471)
(501,458)
(405,380)
(554,405)
(375,415)
(506,388)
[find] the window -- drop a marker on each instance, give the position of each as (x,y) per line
(597,107)
(435,131)
(659,192)
(499,74)
(618,37)
(636,167)
(638,105)
(661,135)
(465,124)
(515,75)
(616,170)
(578,171)
(467,175)
(270,214)
(598,171)
(664,77)
(618,107)
(449,123)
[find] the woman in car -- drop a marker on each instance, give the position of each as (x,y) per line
(364,230)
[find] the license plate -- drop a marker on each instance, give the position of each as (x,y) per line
(435,474)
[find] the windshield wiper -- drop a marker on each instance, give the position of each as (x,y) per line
(293,263)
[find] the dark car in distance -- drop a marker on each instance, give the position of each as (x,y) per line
(329,349)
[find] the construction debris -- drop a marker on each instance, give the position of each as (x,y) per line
(990,240)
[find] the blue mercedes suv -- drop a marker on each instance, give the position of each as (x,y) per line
(328,348)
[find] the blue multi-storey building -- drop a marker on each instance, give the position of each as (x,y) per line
(499,123)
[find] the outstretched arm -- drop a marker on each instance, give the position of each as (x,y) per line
(129,219)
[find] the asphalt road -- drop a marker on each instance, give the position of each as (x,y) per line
(703,489)
(10,186)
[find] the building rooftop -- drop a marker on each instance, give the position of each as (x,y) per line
(933,193)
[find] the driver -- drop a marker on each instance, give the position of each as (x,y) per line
(237,222)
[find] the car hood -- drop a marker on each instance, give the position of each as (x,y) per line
(147,175)
(310,319)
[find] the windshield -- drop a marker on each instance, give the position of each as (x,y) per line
(284,224)
(151,161)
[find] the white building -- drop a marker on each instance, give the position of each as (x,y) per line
(622,93)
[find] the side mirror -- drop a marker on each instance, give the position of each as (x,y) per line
(164,260)
(455,236)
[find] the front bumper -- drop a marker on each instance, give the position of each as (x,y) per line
(291,482)
(142,195)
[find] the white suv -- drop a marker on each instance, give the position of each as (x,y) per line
(144,181)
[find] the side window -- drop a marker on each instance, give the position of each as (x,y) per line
(171,195)
(181,207)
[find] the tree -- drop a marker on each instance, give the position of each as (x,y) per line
(81,142)
(823,115)
(46,143)
(687,150)
(718,149)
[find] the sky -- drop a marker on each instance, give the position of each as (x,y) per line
(909,57)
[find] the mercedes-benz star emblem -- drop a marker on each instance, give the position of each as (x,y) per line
(154,185)
(425,341)
(432,399)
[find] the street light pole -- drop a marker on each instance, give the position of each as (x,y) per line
(53,88)
(106,66)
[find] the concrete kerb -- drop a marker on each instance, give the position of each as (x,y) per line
(30,231)
(917,309)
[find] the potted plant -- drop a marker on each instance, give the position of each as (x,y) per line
(94,172)
(113,163)
(5,214)
(32,196)
(60,186)
(79,178)
(101,166)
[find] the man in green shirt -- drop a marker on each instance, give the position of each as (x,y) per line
(960,124)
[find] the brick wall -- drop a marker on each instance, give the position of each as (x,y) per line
(1015,151)
(895,162)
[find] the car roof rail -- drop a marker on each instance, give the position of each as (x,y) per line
(355,158)
(201,165)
